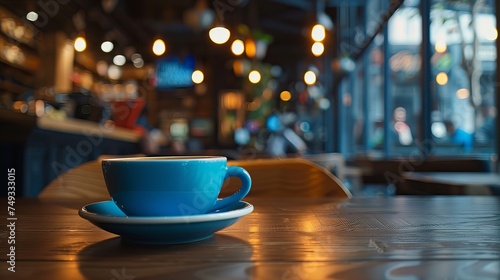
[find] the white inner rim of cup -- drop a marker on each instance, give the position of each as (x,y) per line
(169,158)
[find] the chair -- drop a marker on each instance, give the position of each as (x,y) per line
(292,177)
(333,162)
(83,181)
(289,177)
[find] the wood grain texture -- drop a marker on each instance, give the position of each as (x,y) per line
(451,237)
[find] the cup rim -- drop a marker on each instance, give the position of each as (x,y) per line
(166,159)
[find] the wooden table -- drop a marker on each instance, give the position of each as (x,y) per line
(440,183)
(438,237)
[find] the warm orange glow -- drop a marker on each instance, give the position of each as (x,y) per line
(17,105)
(39,108)
(440,46)
(254,105)
(250,48)
(232,101)
(441,78)
(463,93)
(492,34)
(285,95)
(238,67)
(267,94)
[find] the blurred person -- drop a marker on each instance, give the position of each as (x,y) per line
(459,136)
(486,132)
(283,139)
(151,137)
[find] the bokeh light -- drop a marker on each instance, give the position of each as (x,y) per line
(159,47)
(317,48)
(285,95)
(197,77)
(238,47)
(254,76)
(80,44)
(441,78)
(310,78)
(219,35)
(318,33)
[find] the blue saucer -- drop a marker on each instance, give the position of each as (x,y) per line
(162,230)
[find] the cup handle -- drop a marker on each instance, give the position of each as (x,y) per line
(246,183)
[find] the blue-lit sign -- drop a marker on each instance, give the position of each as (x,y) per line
(174,72)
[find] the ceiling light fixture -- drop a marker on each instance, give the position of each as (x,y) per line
(197,77)
(318,33)
(107,46)
(219,34)
(159,47)
(80,44)
(119,60)
(310,78)
(238,47)
(317,48)
(32,16)
(254,76)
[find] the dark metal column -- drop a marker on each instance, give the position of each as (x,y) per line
(497,84)
(329,120)
(426,75)
(388,136)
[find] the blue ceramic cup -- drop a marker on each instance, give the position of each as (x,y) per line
(171,186)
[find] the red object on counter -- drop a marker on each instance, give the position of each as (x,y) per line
(126,113)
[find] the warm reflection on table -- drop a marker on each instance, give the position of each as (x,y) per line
(453,237)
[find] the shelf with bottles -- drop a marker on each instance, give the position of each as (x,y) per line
(19,30)
(15,85)
(18,42)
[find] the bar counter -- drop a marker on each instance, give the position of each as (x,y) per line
(42,148)
(82,127)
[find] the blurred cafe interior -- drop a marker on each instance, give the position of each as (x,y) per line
(373,90)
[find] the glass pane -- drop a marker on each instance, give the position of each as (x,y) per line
(375,95)
(404,62)
(362,92)
(463,36)
(351,95)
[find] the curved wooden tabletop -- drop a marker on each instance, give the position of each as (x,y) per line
(438,237)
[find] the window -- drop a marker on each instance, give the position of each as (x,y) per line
(462,36)
(387,96)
